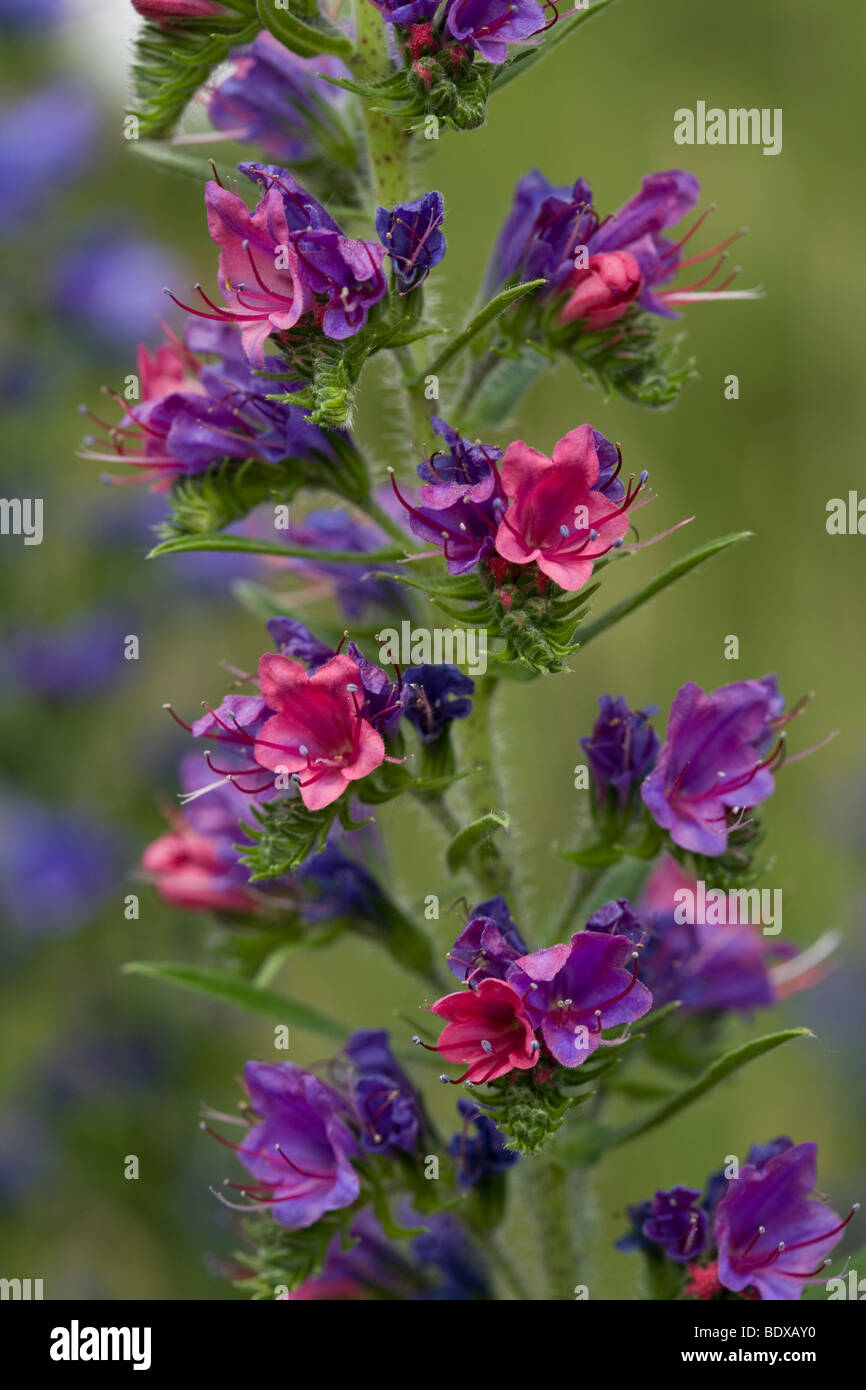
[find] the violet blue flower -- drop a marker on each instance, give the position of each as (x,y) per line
(676,1224)
(491,25)
(487,945)
(712,761)
(412,235)
(57,867)
(383,1097)
(482,1154)
(621,750)
(78,660)
(573,992)
(437,695)
(46,141)
(108,284)
(275,99)
(295,640)
(300,1149)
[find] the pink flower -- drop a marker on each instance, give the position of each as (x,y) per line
(487,1027)
(318,730)
(259,270)
(557,518)
(601,293)
(190,872)
(177,9)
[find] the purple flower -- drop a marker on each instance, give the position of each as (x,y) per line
(108,284)
(771,1234)
(460,500)
(384,1099)
(542,232)
(276,99)
(295,640)
(712,761)
(46,141)
(340,887)
(491,25)
(299,1151)
(405,15)
(436,696)
(384,700)
(621,750)
(487,945)
(663,200)
(412,235)
(483,1154)
(57,867)
(619,919)
(572,992)
(445,1248)
(676,1224)
(354,589)
(75,661)
(22,15)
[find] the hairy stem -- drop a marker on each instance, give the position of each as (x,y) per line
(556,1198)
(484,792)
(387,141)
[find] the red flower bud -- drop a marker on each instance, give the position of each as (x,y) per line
(601,293)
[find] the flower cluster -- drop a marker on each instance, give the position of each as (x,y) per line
(757,1232)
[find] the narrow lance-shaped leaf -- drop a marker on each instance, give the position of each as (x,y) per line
(662,581)
(491,311)
(472,837)
(250,546)
(309,40)
(227,988)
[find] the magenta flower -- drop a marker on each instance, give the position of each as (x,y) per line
(177,9)
(772,1235)
(572,992)
(713,761)
(318,730)
(558,518)
(191,871)
(601,293)
(300,1150)
(489,1028)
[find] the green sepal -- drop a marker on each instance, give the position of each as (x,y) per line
(172,62)
(227,988)
(308,40)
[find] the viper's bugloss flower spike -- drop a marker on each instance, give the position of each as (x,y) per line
(412,235)
(385,1101)
(489,1029)
(300,1149)
(487,945)
(573,992)
(482,1154)
(715,760)
(621,750)
(276,99)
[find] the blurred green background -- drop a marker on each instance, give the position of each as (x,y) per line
(95,1066)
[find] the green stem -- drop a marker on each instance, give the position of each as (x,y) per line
(505,1268)
(387,140)
(555,1216)
(483,789)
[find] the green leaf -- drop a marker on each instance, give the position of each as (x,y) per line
(249,546)
(309,40)
(472,837)
(662,581)
(723,1067)
(491,311)
(594,857)
(226,987)
(168,157)
(516,66)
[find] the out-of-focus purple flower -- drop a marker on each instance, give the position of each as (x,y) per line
(339,887)
(712,761)
(77,661)
(412,235)
(460,499)
(46,141)
(573,992)
(301,1148)
(384,1099)
(28,1155)
(676,1224)
(482,1154)
(771,1233)
(491,25)
(621,750)
(57,868)
(446,1249)
(103,1063)
(436,696)
(487,945)
(274,98)
(20,16)
(356,591)
(108,284)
